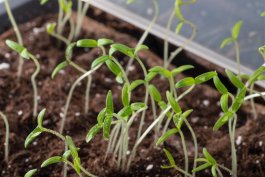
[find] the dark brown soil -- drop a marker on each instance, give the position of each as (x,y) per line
(16,103)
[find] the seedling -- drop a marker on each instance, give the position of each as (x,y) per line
(18,35)
(65,13)
(182,21)
(230,112)
(7,136)
(233,39)
(209,162)
(146,32)
(72,152)
(24,53)
(119,136)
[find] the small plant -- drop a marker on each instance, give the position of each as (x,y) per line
(94,66)
(72,152)
(18,35)
(65,13)
(7,136)
(234,36)
(23,52)
(210,162)
(182,21)
(230,112)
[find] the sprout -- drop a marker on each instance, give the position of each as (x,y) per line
(23,52)
(7,136)
(234,36)
(210,162)
(18,35)
(73,150)
(182,21)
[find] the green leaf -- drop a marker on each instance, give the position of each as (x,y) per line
(150,76)
(174,104)
(125,111)
(222,120)
(69,51)
(154,93)
(40,117)
(208,156)
(213,170)
(22,51)
(181,69)
(51,160)
(72,147)
(262,14)
(225,42)
(42,2)
(101,116)
(138,106)
(58,68)
(239,100)
(166,135)
(124,49)
(162,71)
(135,84)
(66,154)
(256,74)
(224,102)
(179,27)
(30,173)
(186,82)
(201,160)
(99,61)
(179,118)
(125,95)
(90,43)
(92,132)
(50,28)
(130,1)
(201,167)
(235,81)
(119,78)
(113,67)
(178,12)
(236,29)
(104,41)
(77,165)
(205,77)
(34,134)
(170,157)
(219,85)
(106,127)
(109,103)
(140,48)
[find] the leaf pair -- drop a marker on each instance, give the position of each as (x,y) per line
(21,50)
(208,161)
(234,34)
(190,81)
(128,51)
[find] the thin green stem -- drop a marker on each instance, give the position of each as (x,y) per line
(60,37)
(195,144)
(231,125)
(69,97)
(169,24)
(86,172)
(254,111)
(88,86)
(224,168)
(34,85)
(237,57)
(219,172)
(145,34)
(185,152)
(60,17)
(18,35)
(7,136)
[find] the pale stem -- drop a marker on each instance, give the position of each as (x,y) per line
(18,35)
(34,85)
(7,136)
(254,96)
(182,171)
(185,152)
(237,57)
(69,97)
(88,86)
(81,14)
(145,34)
(254,111)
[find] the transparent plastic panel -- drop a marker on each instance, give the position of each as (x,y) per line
(214,20)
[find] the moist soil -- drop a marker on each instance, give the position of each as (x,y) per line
(16,102)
